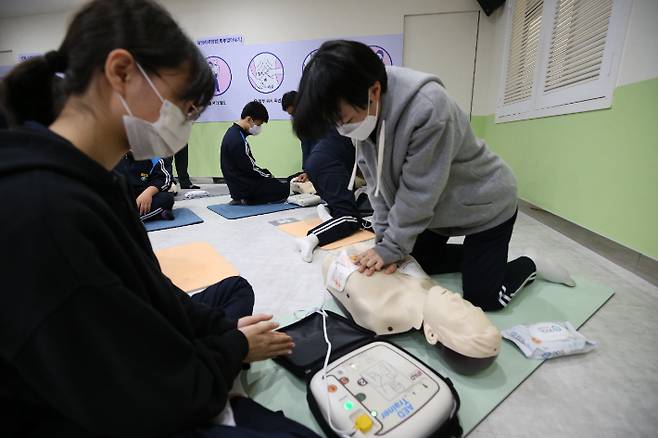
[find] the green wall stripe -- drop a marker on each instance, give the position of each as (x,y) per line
(598,169)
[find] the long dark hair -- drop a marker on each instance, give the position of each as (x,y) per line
(31,91)
(340,69)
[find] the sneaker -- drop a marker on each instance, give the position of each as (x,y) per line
(189,186)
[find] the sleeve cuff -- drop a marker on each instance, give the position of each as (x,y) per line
(236,346)
(387,255)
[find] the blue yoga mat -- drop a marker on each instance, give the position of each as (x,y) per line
(240,211)
(182,217)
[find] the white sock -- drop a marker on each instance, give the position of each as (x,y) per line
(548,269)
(306,245)
(323,213)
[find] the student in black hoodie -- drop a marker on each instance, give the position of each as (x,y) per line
(247,182)
(150,181)
(329,167)
(94,339)
(328,164)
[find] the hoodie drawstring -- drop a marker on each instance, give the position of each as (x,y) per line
(350,186)
(380,155)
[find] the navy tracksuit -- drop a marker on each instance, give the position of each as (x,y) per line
(146,173)
(307,148)
(247,182)
(329,167)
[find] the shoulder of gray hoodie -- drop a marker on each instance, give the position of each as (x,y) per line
(435,173)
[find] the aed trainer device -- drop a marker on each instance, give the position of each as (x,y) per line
(379,390)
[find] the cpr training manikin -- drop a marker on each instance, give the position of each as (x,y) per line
(410,299)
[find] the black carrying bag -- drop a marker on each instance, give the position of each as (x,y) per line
(310,349)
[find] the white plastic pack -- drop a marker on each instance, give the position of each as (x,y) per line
(546,340)
(304,200)
(193,194)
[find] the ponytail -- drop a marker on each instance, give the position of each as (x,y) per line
(32,91)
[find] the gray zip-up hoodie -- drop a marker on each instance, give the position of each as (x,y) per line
(434,173)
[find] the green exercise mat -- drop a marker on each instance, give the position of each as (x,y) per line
(277,389)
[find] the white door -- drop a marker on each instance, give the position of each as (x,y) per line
(445,45)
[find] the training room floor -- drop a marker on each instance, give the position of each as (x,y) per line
(610,392)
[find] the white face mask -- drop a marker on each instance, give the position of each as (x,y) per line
(164,137)
(255,130)
(360,130)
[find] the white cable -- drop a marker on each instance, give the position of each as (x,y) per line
(340,432)
(343,433)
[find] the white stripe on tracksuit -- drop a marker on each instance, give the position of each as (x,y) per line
(504,298)
(167,184)
(247,151)
(151,214)
(334,222)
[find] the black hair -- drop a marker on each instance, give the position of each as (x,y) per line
(256,111)
(142,27)
(340,69)
(288,100)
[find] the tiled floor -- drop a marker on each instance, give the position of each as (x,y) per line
(610,392)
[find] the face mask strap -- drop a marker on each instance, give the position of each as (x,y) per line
(125,104)
(150,82)
(376,108)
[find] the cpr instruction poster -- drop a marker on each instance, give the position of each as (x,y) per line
(263,72)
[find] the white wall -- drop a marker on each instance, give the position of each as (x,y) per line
(270,21)
(284,20)
(33,33)
(640,59)
(489,63)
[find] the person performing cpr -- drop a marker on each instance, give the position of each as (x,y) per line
(430,178)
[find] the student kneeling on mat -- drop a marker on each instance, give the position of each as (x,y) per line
(329,167)
(94,339)
(247,182)
(328,163)
(150,181)
(432,178)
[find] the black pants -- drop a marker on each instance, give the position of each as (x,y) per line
(269,190)
(181,159)
(161,201)
(233,295)
(253,421)
(488,280)
(338,228)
